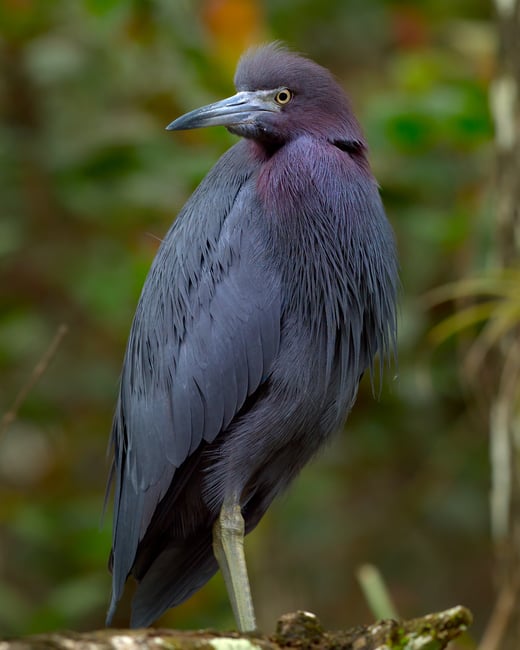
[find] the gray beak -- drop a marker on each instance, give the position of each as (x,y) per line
(238,109)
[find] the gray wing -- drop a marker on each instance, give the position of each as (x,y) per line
(205,334)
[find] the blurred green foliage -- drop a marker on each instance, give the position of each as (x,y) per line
(89,183)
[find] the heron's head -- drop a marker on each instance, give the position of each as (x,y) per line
(281,95)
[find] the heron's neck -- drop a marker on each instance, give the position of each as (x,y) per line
(263,150)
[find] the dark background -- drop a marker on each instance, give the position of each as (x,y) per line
(90,181)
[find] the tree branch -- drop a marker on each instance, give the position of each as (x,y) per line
(298,630)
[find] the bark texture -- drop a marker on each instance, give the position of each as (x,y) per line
(300,630)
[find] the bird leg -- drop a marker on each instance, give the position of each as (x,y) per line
(228,546)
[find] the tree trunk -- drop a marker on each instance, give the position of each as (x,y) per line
(504,630)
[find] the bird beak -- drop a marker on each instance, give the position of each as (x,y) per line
(238,109)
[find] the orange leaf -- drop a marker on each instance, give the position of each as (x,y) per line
(233,26)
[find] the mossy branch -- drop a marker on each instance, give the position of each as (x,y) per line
(298,630)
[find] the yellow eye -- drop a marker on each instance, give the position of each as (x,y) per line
(283,96)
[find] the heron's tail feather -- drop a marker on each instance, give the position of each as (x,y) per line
(178,572)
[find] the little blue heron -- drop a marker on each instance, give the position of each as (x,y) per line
(268,299)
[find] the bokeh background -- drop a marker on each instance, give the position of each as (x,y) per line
(90,181)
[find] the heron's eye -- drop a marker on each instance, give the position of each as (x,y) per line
(283,96)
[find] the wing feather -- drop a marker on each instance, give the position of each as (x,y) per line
(205,334)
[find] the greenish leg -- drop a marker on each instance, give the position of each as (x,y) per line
(228,546)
